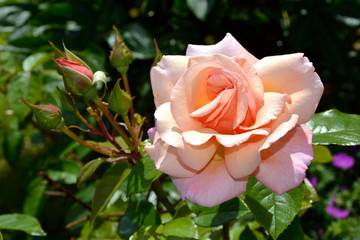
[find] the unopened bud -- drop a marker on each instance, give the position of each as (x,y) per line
(120,56)
(119,101)
(77,77)
(47,116)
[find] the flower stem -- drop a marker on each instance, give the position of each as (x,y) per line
(162,197)
(64,190)
(131,130)
(112,121)
(225,231)
(82,119)
(127,89)
(102,150)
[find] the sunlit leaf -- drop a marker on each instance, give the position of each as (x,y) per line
(322,154)
(142,175)
(175,229)
(335,127)
(273,211)
(21,222)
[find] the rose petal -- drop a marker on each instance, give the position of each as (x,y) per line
(228,140)
(229,46)
(212,186)
(167,127)
(199,136)
(284,164)
(189,94)
(242,160)
(166,159)
(273,105)
(294,75)
(165,75)
(282,125)
(196,157)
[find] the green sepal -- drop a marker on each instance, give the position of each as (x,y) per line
(119,101)
(158,54)
(67,102)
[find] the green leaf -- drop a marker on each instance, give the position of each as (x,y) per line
(179,228)
(1,237)
(87,170)
(335,127)
(24,85)
(223,213)
(35,60)
(139,41)
(310,197)
(142,175)
(64,170)
(293,232)
(21,222)
(322,154)
(200,8)
(247,234)
(34,197)
(139,214)
(273,211)
(109,184)
(12,145)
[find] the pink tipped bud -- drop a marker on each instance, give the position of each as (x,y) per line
(76,66)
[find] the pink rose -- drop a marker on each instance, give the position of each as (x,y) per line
(222,115)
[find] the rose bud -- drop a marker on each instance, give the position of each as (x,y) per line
(47,116)
(119,101)
(120,56)
(77,77)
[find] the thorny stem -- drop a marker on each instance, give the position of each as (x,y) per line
(64,190)
(162,197)
(112,121)
(102,150)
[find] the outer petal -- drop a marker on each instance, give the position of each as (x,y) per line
(212,186)
(166,159)
(242,160)
(165,75)
(167,127)
(196,157)
(229,46)
(294,75)
(284,164)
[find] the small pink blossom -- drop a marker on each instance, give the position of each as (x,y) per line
(343,161)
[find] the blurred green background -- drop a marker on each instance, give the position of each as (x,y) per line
(327,31)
